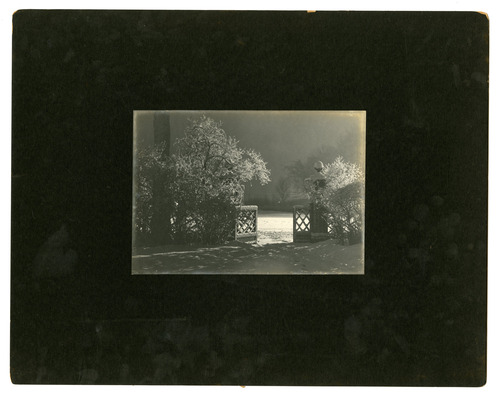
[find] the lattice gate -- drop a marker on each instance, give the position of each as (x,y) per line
(301,224)
(247,223)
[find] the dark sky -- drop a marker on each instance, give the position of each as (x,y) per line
(281,137)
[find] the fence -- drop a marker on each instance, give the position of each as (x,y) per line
(246,223)
(309,224)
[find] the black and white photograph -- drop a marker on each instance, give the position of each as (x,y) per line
(248,192)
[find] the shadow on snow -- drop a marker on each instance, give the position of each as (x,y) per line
(325,257)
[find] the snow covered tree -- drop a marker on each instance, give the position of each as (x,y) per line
(203,181)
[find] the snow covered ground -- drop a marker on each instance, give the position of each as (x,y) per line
(275,227)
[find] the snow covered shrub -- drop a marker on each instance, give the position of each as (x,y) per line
(342,198)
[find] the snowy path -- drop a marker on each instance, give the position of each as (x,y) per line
(275,227)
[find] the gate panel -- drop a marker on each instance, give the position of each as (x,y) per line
(247,223)
(301,224)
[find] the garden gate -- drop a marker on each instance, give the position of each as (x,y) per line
(310,223)
(301,224)
(246,223)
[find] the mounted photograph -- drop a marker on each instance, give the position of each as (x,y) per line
(248,192)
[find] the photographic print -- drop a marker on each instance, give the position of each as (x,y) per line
(249,198)
(248,192)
